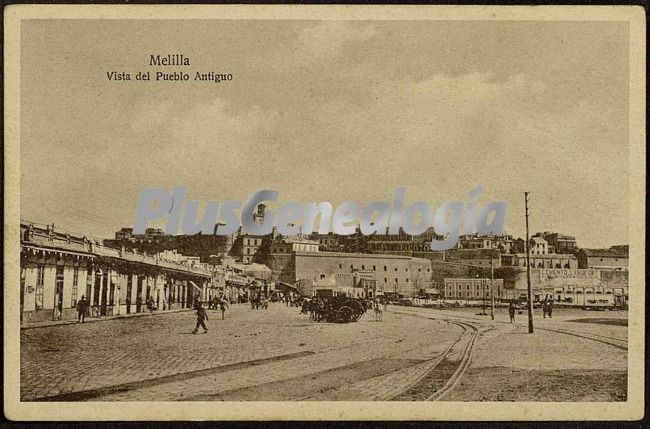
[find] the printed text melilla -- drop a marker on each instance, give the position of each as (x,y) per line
(169,60)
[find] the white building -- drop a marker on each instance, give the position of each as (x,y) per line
(538,246)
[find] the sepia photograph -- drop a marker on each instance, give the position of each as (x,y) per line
(324,212)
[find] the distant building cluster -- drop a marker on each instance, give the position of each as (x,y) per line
(123,274)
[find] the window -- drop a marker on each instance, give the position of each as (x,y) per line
(385,268)
(374,268)
(341,266)
(407,280)
(75,286)
(468,288)
(352,267)
(396,280)
(386,280)
(40,279)
(395,268)
(363,267)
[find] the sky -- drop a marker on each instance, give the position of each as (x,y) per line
(330,111)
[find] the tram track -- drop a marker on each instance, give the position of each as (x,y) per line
(469,334)
(444,371)
(462,366)
(467,351)
(611,341)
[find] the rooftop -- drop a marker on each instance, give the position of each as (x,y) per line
(615,252)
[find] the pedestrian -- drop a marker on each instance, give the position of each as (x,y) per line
(223,305)
(201,317)
(549,309)
(511,310)
(81,309)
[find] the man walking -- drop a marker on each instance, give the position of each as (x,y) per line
(223,304)
(81,309)
(511,310)
(201,317)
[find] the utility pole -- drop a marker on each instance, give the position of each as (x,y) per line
(530,288)
(492,287)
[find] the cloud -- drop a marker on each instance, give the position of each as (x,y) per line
(327,39)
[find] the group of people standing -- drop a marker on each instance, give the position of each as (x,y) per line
(547,309)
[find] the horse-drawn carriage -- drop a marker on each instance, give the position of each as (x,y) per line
(334,309)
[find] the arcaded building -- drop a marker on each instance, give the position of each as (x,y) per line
(57,269)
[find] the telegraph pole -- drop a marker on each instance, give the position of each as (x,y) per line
(530,288)
(492,287)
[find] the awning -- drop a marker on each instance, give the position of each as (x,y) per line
(283,285)
(56,250)
(195,286)
(235,281)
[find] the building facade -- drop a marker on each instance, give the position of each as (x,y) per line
(549,260)
(290,245)
(397,244)
(57,269)
(614,258)
(504,243)
(580,287)
(538,246)
(560,243)
(472,289)
(389,273)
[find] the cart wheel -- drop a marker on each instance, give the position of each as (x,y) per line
(345,314)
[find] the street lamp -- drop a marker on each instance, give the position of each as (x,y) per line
(492,288)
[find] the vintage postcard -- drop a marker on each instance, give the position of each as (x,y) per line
(263,212)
